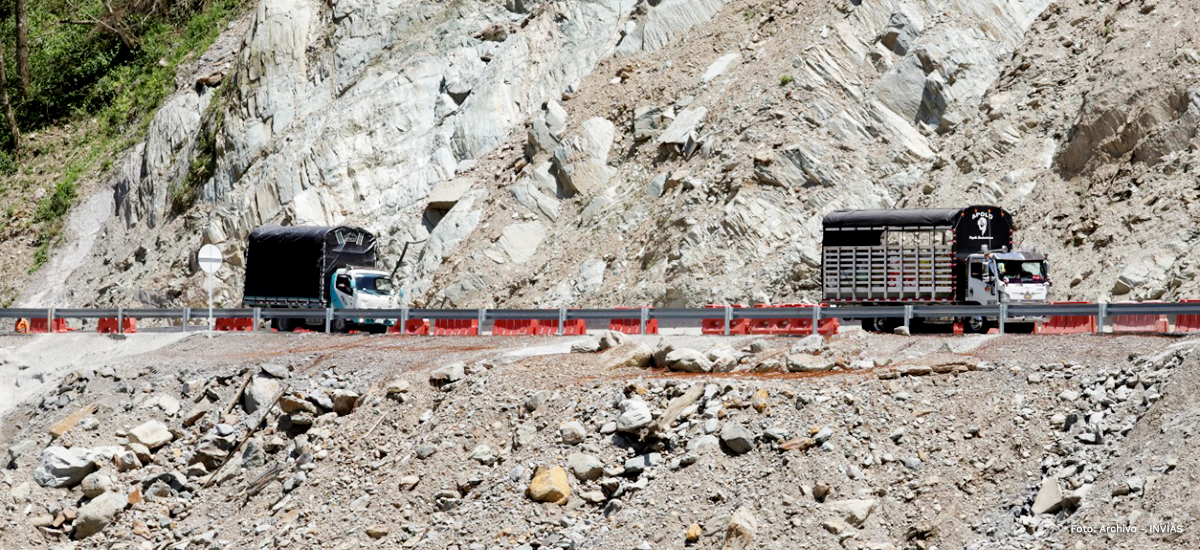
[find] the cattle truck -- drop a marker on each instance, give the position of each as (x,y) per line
(943,256)
(308,269)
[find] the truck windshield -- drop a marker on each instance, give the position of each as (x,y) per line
(1017,271)
(375,284)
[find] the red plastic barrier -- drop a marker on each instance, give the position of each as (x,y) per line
(515,327)
(717,326)
(411,328)
(632,326)
(234,324)
(1068,324)
(37,325)
(1187,323)
(796,326)
(456,327)
(573,327)
(1140,323)
(108,325)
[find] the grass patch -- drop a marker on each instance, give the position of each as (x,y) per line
(786,79)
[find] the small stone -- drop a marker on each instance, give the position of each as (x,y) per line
(293,403)
(634,416)
(482,454)
(95,484)
(820,491)
(896,435)
(425,451)
(397,385)
(276,370)
(152,434)
(261,392)
(737,438)
(377,532)
(594,496)
(640,463)
(572,433)
(823,435)
(741,531)
(536,400)
(586,345)
(1049,497)
(344,402)
(407,483)
(853,511)
(585,467)
(693,534)
(448,374)
(550,485)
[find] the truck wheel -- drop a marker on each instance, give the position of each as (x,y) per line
(977,324)
(282,324)
(339,326)
(881,324)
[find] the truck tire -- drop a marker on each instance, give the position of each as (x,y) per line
(881,324)
(976,325)
(283,324)
(339,326)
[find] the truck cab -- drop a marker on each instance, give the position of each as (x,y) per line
(364,288)
(1007,277)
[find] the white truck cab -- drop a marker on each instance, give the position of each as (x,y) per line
(1007,277)
(364,288)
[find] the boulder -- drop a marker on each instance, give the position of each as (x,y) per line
(585,467)
(581,164)
(737,438)
(259,393)
(903,27)
(684,128)
(98,513)
(635,415)
(665,22)
(446,193)
(448,374)
(632,356)
(853,511)
(611,339)
(63,467)
(482,454)
(811,344)
(586,345)
(550,485)
(294,403)
(688,360)
(803,362)
(152,434)
(520,241)
(718,67)
(1049,497)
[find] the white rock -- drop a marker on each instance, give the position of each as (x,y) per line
(96,484)
(853,511)
(62,467)
(260,393)
(98,513)
(572,433)
(634,416)
(152,434)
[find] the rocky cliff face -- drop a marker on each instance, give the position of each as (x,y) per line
(674,152)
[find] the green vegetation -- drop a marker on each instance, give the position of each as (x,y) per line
(749,14)
(97,69)
(786,79)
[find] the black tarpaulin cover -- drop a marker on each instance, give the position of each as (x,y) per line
(975,228)
(892,218)
(295,263)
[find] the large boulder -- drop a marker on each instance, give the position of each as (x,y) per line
(631,356)
(98,513)
(261,392)
(581,164)
(449,373)
(687,360)
(63,467)
(737,438)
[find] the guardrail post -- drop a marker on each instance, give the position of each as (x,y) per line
(816,311)
(908,313)
(328,319)
(50,320)
(187,318)
(482,317)
(120,320)
(562,321)
(257,319)
(1101,313)
(728,318)
(1003,316)
(645,319)
(403,320)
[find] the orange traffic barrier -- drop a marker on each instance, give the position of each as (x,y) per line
(573,327)
(234,324)
(717,326)
(515,327)
(632,326)
(796,326)
(412,327)
(1140,323)
(1187,323)
(456,327)
(109,325)
(1068,324)
(22,326)
(38,325)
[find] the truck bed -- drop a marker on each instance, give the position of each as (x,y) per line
(906,269)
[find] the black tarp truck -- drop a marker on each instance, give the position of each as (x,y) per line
(312,268)
(928,256)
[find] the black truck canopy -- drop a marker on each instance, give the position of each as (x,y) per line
(975,228)
(293,264)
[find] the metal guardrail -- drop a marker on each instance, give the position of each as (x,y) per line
(1003,313)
